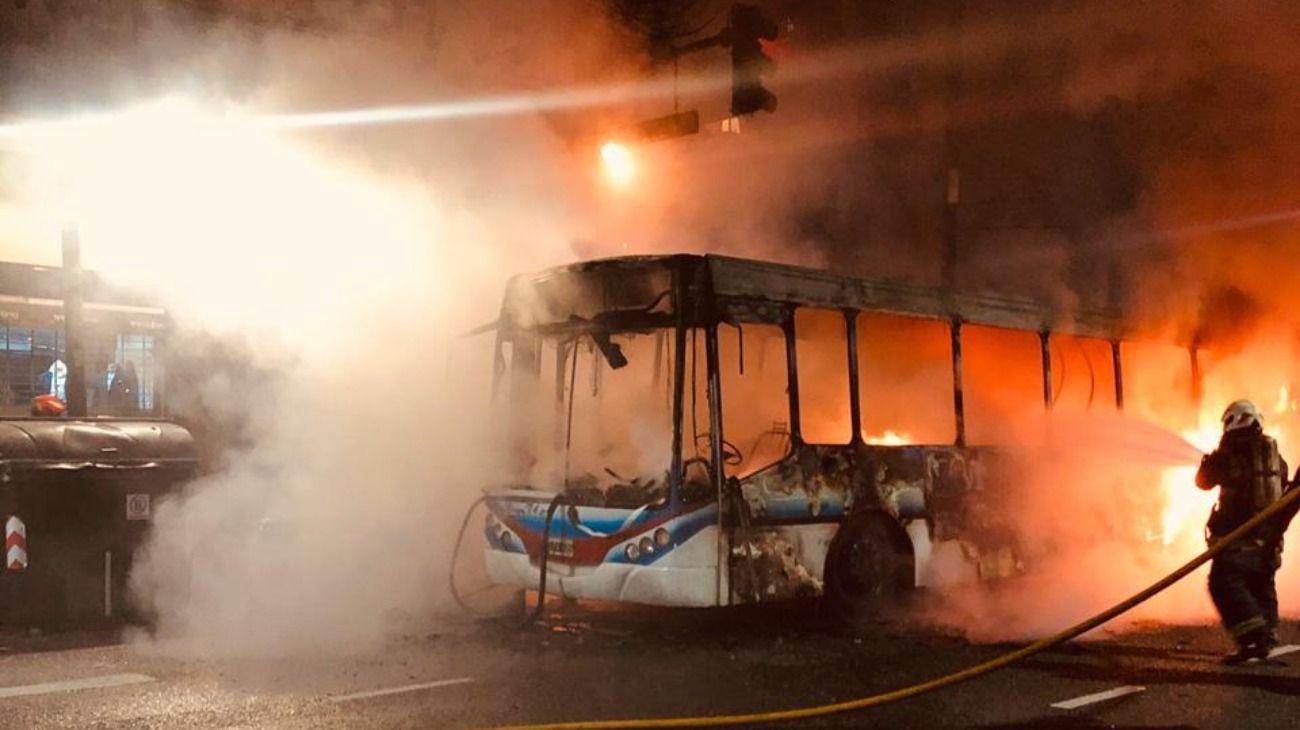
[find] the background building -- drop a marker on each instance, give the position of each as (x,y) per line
(123,336)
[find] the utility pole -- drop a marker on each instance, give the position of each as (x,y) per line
(73,323)
(952,199)
(952,186)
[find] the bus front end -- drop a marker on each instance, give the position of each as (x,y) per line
(590,363)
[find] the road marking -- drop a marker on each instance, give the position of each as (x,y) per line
(1109,694)
(106,680)
(1281,650)
(400,690)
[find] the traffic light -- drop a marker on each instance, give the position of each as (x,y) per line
(748,27)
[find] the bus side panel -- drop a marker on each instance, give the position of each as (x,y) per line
(794,507)
(686,577)
(950,502)
(970,499)
(775,563)
(812,484)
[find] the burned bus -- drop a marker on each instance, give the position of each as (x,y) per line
(707,431)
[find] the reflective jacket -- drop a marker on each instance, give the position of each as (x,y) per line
(1250,474)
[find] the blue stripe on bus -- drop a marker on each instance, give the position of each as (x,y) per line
(680,529)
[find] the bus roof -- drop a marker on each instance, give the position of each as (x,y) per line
(746,289)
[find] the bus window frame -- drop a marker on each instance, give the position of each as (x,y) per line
(847,317)
(613,322)
(791,387)
(696,305)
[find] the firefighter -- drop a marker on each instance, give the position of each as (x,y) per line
(1250,473)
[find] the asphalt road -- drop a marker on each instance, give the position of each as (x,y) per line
(589,663)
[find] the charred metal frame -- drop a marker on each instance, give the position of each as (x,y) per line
(675,478)
(1045,346)
(958,397)
(792,374)
(1117,365)
(810,486)
(715,441)
(792,378)
(855,386)
(715,402)
(709,290)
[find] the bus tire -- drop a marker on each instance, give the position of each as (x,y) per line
(869,569)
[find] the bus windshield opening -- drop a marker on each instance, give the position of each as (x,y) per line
(592,415)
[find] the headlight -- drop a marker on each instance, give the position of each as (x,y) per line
(506,539)
(647,546)
(631,552)
(662,538)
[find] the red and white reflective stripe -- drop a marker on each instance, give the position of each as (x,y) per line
(15,544)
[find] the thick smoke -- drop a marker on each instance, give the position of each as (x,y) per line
(1105,504)
(321,282)
(1086,525)
(1118,154)
(1103,159)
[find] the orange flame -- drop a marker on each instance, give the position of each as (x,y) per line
(1187,506)
(890,438)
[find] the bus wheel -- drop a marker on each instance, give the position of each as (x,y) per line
(869,569)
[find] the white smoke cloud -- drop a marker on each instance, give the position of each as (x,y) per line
(337,270)
(345,263)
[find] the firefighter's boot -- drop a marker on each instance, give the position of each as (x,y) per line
(1254,645)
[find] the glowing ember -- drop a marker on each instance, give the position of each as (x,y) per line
(1186,506)
(1286,401)
(890,438)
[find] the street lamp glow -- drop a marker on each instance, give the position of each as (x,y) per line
(618,161)
(226,218)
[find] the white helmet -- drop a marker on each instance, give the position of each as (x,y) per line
(1241,414)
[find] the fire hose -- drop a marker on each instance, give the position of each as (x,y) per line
(862,703)
(530,616)
(455,553)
